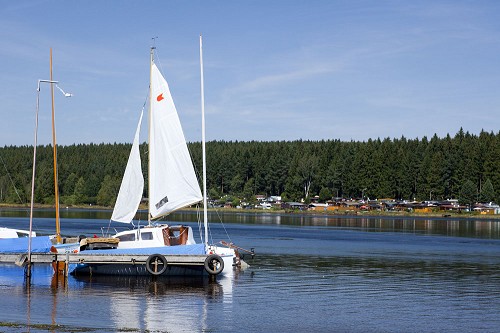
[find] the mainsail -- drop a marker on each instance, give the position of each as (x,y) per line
(132,186)
(172,180)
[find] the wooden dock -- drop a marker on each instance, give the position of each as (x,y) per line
(80,258)
(103,263)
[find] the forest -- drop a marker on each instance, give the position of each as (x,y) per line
(403,169)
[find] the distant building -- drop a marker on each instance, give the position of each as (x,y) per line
(293,205)
(260,197)
(274,199)
(487,208)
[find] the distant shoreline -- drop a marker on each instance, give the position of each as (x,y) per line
(291,212)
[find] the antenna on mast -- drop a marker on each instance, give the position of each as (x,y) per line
(154,42)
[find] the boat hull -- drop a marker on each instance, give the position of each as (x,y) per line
(138,269)
(135,270)
(186,260)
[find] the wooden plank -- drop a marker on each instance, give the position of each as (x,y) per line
(102,258)
(130,258)
(10,257)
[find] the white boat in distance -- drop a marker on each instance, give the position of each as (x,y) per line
(15,233)
(172,185)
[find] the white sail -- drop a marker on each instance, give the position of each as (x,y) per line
(132,186)
(172,180)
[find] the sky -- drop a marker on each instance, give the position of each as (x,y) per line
(274,70)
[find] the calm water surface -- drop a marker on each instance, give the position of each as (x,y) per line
(311,273)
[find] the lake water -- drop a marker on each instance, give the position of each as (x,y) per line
(311,273)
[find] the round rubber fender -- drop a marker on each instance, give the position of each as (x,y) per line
(214,264)
(156,264)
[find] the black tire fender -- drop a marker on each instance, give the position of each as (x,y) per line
(156,264)
(214,264)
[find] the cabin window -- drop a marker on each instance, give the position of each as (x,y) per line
(146,235)
(126,237)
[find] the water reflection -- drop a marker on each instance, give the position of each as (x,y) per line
(160,304)
(155,286)
(457,228)
(465,227)
(27,288)
(328,274)
(381,267)
(71,213)
(461,227)
(57,284)
(121,303)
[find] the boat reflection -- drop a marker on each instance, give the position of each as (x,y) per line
(57,283)
(160,304)
(154,285)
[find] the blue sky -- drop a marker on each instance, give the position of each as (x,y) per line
(274,70)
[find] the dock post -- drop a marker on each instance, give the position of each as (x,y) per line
(27,272)
(66,264)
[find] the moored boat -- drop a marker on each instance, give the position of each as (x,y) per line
(15,233)
(172,185)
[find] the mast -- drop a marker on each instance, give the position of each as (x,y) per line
(28,271)
(58,229)
(149,127)
(54,144)
(205,215)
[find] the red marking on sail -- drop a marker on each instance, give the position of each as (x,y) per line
(160,97)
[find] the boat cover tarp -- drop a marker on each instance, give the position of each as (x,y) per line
(39,244)
(194,249)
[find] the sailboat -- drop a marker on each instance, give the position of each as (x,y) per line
(172,185)
(17,240)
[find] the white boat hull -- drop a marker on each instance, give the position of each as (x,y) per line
(15,233)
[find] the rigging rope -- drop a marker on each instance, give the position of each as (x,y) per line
(158,62)
(223,226)
(198,217)
(11,180)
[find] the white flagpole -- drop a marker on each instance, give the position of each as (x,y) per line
(205,215)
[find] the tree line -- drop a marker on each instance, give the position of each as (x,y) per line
(463,166)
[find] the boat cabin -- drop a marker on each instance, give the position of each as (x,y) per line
(155,236)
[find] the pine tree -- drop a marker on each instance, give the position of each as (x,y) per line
(468,194)
(487,193)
